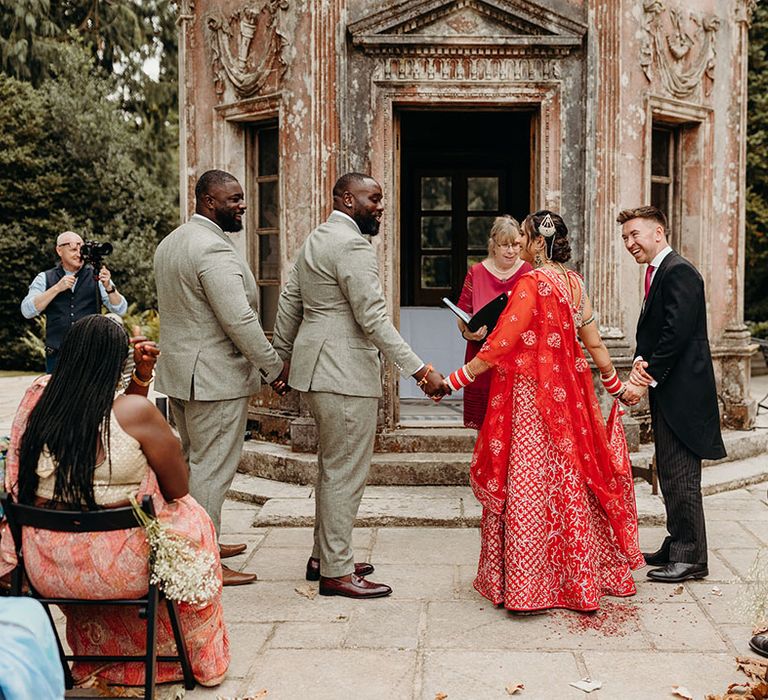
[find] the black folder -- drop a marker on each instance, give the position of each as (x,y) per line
(487,316)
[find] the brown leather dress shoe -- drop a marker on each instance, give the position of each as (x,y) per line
(230,577)
(231,550)
(352,586)
(362,568)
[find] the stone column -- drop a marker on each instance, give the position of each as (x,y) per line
(734,349)
(328,46)
(602,241)
(185,24)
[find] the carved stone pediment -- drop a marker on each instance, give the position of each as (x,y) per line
(463,27)
(246,47)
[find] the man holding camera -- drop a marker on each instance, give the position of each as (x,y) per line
(70,291)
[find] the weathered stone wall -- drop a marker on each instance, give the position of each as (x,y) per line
(336,72)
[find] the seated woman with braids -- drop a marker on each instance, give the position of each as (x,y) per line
(78,444)
(559,524)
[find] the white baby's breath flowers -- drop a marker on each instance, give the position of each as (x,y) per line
(183,573)
(753,598)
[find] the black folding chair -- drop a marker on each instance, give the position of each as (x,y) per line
(19,516)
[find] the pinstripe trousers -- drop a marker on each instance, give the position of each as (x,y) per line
(679,472)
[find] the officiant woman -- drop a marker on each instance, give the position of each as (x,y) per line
(485,281)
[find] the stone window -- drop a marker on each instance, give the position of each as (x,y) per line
(666,173)
(263,156)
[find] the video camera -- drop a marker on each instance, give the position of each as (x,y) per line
(92,252)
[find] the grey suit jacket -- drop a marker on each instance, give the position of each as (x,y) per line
(332,319)
(212,344)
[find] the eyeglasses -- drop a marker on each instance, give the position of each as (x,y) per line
(510,246)
(71,246)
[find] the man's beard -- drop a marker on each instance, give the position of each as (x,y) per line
(368,225)
(228,222)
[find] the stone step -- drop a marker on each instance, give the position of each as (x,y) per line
(411,467)
(729,476)
(288,505)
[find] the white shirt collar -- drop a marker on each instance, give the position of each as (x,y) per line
(660,258)
(205,218)
(347,216)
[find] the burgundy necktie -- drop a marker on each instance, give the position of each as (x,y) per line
(648,274)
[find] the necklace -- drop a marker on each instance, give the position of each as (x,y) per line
(503,275)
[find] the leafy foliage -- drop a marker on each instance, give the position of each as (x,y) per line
(756,274)
(69,158)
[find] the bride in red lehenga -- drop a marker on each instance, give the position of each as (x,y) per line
(559,524)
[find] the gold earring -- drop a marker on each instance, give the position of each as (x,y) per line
(538,261)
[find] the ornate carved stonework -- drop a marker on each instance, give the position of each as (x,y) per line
(682,49)
(247,48)
(467,68)
(472,28)
(744,11)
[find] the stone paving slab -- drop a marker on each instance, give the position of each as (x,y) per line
(396,506)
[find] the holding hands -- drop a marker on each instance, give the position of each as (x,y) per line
(280,385)
(639,381)
(431,382)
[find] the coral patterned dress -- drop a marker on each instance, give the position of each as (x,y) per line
(559,524)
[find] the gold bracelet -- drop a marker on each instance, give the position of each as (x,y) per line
(424,379)
(142,382)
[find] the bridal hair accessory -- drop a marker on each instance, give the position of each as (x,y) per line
(547,227)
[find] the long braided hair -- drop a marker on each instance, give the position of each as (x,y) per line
(73,412)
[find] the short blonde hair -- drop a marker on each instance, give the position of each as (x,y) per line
(505,229)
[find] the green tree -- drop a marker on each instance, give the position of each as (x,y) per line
(121,36)
(756,274)
(69,158)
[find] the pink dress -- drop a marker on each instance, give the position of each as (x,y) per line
(480,287)
(114,565)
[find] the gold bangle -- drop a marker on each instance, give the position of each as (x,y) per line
(142,382)
(424,379)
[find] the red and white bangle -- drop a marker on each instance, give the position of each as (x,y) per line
(460,378)
(613,384)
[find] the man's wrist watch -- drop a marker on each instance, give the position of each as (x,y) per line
(110,290)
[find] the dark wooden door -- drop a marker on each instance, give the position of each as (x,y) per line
(460,170)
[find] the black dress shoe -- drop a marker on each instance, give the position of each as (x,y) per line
(759,644)
(362,568)
(353,587)
(658,558)
(677,571)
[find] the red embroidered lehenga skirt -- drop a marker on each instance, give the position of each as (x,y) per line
(553,546)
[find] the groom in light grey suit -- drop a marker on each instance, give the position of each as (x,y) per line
(332,325)
(214,353)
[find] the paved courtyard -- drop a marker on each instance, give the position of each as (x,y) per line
(436,635)
(436,638)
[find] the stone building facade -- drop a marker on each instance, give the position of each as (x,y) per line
(464,109)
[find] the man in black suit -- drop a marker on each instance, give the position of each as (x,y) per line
(673,362)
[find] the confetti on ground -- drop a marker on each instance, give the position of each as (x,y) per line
(612,620)
(515,687)
(681,692)
(587,685)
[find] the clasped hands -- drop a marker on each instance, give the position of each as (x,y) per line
(637,386)
(280,385)
(431,382)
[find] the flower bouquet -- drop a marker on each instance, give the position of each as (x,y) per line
(181,572)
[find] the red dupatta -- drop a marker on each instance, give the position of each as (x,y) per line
(535,341)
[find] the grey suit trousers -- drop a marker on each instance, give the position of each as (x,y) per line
(346,427)
(679,472)
(212,439)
